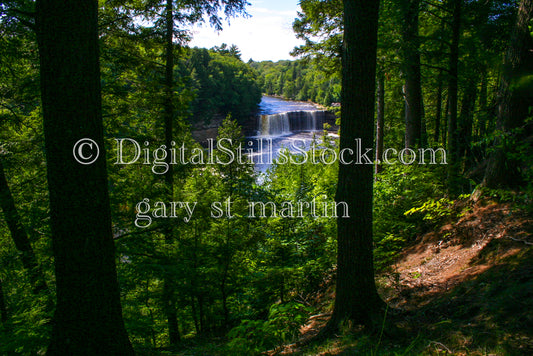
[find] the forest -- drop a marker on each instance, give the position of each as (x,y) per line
(186,256)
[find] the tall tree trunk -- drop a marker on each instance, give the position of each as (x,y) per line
(225,275)
(423,128)
(88,315)
(445,123)
(515,99)
(194,281)
(380,120)
(194,314)
(482,116)
(169,298)
(356,295)
(224,295)
(453,148)
(466,121)
(19,235)
(438,111)
(411,69)
(201,313)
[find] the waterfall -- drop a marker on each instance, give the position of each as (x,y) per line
(289,122)
(275,125)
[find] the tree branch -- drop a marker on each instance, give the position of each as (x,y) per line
(440,7)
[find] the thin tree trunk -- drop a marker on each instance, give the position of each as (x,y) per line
(438,112)
(227,261)
(194,282)
(201,313)
(19,235)
(413,78)
(356,296)
(466,121)
(482,117)
(225,297)
(194,316)
(445,123)
(453,148)
(88,315)
(423,126)
(380,121)
(169,298)
(438,109)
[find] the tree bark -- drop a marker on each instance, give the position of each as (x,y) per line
(380,121)
(445,124)
(87,319)
(169,298)
(466,121)
(515,99)
(482,116)
(19,235)
(453,149)
(356,295)
(411,69)
(438,111)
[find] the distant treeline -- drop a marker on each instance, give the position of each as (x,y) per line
(222,82)
(298,80)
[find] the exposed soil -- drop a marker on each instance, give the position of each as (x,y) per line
(484,237)
(467,287)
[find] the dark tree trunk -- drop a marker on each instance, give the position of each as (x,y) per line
(438,112)
(423,129)
(225,272)
(438,109)
(194,281)
(201,313)
(356,295)
(482,117)
(411,69)
(445,124)
(453,147)
(19,235)
(169,298)
(224,294)
(194,315)
(380,121)
(88,319)
(514,101)
(466,121)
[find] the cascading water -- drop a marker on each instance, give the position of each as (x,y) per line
(284,124)
(291,122)
(275,125)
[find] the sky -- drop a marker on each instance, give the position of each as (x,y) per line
(265,35)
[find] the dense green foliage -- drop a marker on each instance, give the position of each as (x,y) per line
(299,80)
(222,85)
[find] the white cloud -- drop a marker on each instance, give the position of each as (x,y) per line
(266,35)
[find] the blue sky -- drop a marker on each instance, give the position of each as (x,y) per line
(266,35)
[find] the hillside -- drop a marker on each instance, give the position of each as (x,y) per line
(463,289)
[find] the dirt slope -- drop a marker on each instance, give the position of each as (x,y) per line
(464,289)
